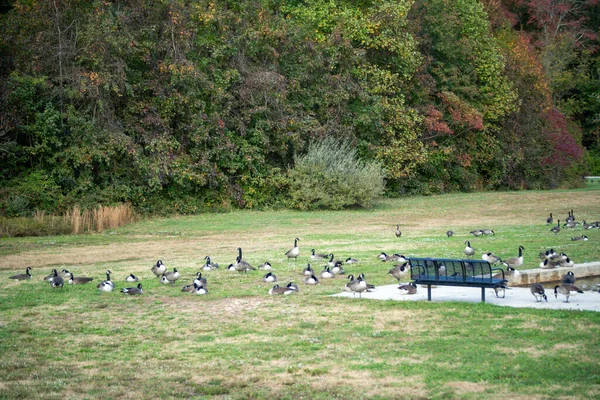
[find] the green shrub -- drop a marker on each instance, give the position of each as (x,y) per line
(330,176)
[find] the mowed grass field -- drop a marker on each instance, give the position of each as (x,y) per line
(240,342)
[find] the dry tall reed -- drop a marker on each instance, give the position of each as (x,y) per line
(99,218)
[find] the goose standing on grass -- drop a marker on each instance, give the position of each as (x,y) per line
(159,269)
(132,278)
(409,288)
(515,262)
(240,264)
(133,290)
(555,229)
(57,281)
(398,233)
(566,290)
(294,252)
(538,291)
(317,256)
(549,220)
(488,232)
(106,285)
(476,233)
(400,271)
(79,280)
(269,277)
(469,251)
(22,277)
(449,233)
(311,280)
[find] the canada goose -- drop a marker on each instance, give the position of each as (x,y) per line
(549,220)
(64,273)
(317,256)
(231,267)
(409,288)
(394,257)
(280,290)
(326,273)
(57,281)
(199,280)
(449,233)
(515,262)
(165,281)
(355,286)
(398,233)
(512,273)
(566,262)
(369,286)
(22,277)
(49,278)
(500,289)
(188,288)
(469,251)
(293,286)
(266,266)
(555,229)
(240,264)
(294,252)
(571,224)
(582,237)
(199,289)
(488,232)
(332,262)
(400,271)
(308,271)
(490,257)
(571,216)
(476,233)
(312,280)
(338,269)
(172,276)
(106,285)
(159,269)
(538,291)
(568,278)
(269,277)
(133,290)
(351,260)
(79,280)
(548,264)
(208,265)
(132,278)
(566,290)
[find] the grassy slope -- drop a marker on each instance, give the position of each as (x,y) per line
(239,342)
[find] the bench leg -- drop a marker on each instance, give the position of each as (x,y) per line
(483,294)
(428,292)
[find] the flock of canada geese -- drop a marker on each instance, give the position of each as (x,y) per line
(333,267)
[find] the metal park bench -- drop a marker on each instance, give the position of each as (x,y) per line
(452,272)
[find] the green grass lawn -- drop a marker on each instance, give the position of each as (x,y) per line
(239,342)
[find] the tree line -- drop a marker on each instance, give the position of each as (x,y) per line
(187,106)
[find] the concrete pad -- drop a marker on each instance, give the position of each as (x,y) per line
(515,297)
